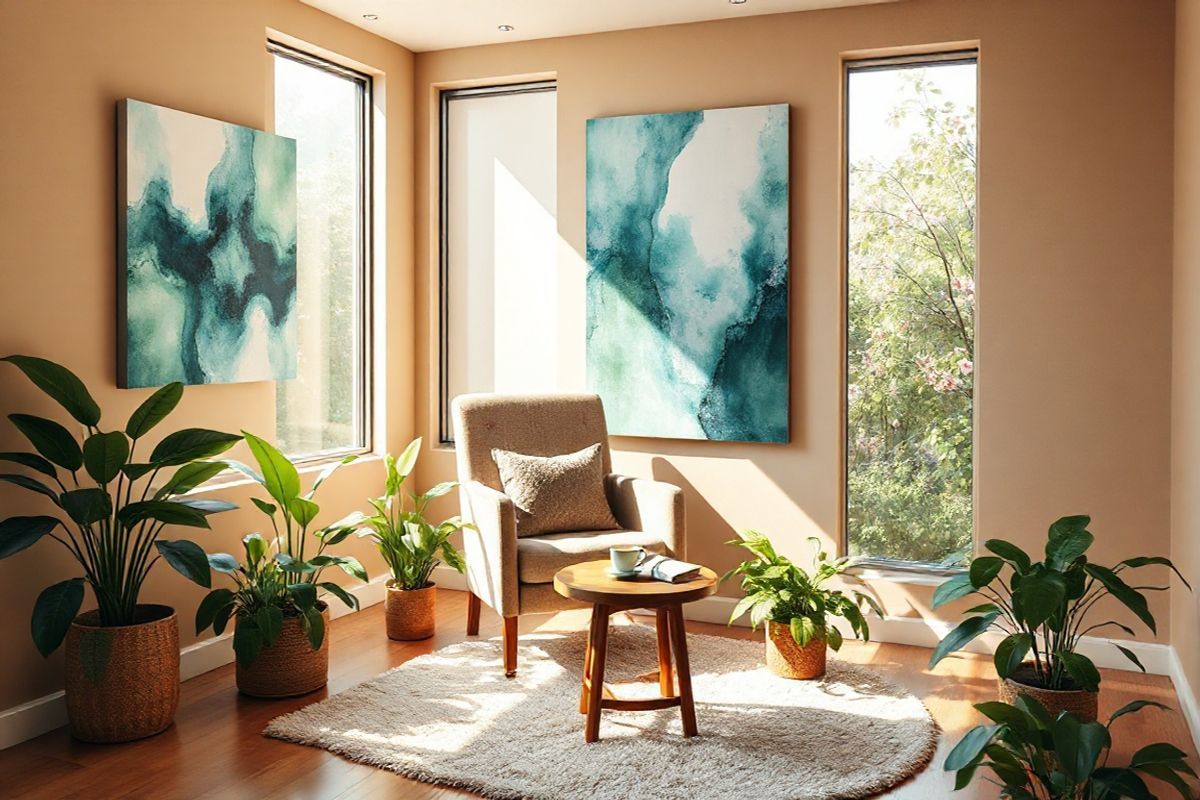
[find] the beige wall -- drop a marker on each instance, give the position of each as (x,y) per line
(1074,254)
(65,64)
(1185,411)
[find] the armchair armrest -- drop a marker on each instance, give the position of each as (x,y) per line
(491,550)
(651,506)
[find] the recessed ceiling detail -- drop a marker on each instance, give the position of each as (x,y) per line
(420,25)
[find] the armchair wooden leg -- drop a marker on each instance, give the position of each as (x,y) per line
(472,614)
(510,646)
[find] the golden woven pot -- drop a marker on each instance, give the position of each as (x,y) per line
(409,612)
(1079,702)
(789,660)
(122,683)
(290,667)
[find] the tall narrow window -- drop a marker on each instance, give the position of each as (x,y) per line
(512,314)
(325,108)
(910,338)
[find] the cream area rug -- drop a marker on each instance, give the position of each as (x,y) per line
(452,718)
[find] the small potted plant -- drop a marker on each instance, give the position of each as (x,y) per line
(122,659)
(796,605)
(412,547)
(1040,756)
(279,621)
(1043,609)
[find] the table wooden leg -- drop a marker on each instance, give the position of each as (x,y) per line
(666,680)
(599,645)
(472,614)
(687,709)
(587,673)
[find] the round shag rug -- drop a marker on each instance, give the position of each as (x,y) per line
(452,718)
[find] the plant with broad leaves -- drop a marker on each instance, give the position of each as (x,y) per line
(1042,608)
(279,578)
(1038,757)
(411,545)
(778,590)
(109,510)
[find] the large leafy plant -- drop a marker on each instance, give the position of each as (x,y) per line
(1042,607)
(411,545)
(1038,757)
(280,577)
(779,590)
(108,510)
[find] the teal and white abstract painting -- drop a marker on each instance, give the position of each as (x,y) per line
(207,279)
(687,286)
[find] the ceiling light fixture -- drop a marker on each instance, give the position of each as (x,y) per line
(373,17)
(505,28)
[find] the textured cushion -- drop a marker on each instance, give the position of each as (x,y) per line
(556,493)
(539,557)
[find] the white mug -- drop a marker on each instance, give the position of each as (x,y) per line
(626,557)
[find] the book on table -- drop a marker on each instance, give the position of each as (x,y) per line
(669,570)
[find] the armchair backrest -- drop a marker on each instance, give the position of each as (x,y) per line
(533,424)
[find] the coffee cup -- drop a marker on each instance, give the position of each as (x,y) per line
(626,557)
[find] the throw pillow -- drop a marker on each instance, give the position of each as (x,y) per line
(556,493)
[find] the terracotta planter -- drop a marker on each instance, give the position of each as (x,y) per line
(789,660)
(122,683)
(410,612)
(1079,702)
(290,667)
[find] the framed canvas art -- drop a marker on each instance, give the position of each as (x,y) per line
(687,286)
(206,250)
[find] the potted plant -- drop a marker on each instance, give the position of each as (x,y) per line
(412,547)
(1038,756)
(122,659)
(796,605)
(1042,608)
(279,621)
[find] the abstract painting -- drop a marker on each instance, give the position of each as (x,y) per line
(207,250)
(687,286)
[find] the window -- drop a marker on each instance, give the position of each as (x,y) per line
(910,294)
(511,314)
(326,410)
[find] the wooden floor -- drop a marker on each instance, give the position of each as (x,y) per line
(215,749)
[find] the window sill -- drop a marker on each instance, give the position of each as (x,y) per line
(230,478)
(913,576)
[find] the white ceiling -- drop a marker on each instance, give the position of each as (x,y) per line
(440,24)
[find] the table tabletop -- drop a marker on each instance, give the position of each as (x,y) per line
(592,583)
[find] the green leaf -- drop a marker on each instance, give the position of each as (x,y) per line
(256,547)
(1005,714)
(270,623)
(95,647)
(206,506)
(50,439)
(1010,553)
(1081,668)
(1129,597)
(280,478)
(213,602)
(440,490)
(249,472)
(1040,595)
(221,618)
(53,612)
(135,471)
(62,385)
(352,567)
(1078,745)
(1143,561)
(803,631)
(1065,526)
(967,630)
(1158,753)
(1069,539)
(304,595)
(315,627)
(1167,774)
(743,605)
(267,508)
(191,444)
(17,533)
(984,569)
(970,748)
(32,461)
(1011,652)
(956,587)
(1134,706)
(455,559)
(327,472)
(340,593)
(32,484)
(104,454)
(1130,655)
(86,506)
(303,511)
(223,562)
(408,459)
(165,511)
(189,476)
(188,559)
(153,410)
(247,641)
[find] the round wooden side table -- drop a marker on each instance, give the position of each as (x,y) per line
(592,583)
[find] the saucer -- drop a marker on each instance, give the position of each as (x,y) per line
(612,573)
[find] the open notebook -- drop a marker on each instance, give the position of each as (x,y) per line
(667,569)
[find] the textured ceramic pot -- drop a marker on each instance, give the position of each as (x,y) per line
(291,666)
(409,612)
(788,659)
(1079,702)
(122,683)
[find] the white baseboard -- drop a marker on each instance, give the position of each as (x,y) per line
(1187,698)
(28,720)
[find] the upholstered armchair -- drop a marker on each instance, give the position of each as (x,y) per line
(515,575)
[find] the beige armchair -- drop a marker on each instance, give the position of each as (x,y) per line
(516,575)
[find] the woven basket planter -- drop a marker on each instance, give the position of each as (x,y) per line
(290,667)
(789,660)
(1079,702)
(409,612)
(122,683)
